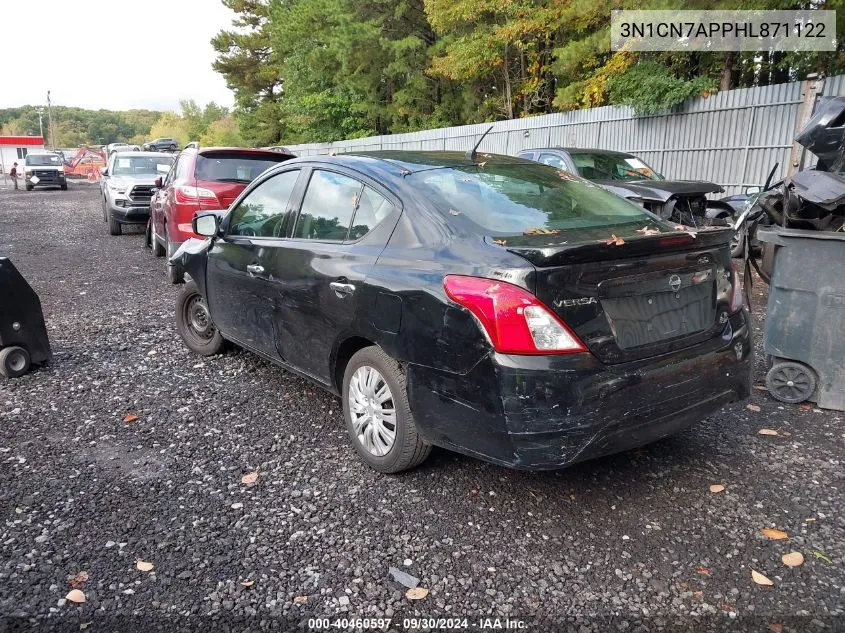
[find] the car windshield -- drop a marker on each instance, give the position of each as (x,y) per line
(623,167)
(233,166)
(39,160)
(136,165)
(531,199)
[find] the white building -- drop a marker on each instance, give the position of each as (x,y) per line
(13,149)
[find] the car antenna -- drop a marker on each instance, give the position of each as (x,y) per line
(471,153)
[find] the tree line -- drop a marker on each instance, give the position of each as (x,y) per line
(323,70)
(211,125)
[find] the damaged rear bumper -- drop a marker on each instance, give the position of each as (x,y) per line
(548,412)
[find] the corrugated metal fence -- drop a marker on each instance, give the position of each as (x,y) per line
(732,138)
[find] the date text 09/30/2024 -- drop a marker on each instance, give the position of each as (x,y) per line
(416,624)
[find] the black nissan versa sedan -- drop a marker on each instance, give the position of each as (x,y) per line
(486,304)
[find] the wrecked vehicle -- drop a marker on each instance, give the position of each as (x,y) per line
(813,199)
(488,305)
(679,201)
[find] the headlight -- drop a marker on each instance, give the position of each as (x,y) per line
(116,188)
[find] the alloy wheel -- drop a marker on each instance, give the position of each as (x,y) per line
(373,411)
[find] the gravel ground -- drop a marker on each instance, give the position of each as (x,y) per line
(635,541)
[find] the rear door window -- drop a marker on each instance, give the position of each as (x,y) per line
(262,212)
(327,209)
(372,209)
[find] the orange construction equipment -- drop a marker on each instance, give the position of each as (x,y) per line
(85,162)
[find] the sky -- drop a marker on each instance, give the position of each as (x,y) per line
(111,54)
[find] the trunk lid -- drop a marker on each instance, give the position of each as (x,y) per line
(645,297)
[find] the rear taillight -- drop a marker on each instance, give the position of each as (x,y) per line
(737,298)
(188,194)
(516,321)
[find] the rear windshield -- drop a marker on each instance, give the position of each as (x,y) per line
(42,159)
(148,165)
(233,167)
(532,199)
(612,167)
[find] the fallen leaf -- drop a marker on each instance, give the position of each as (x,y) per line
(75,595)
(761,387)
(776,628)
(300,599)
(809,519)
(647,231)
(775,535)
(481,165)
(753,407)
(572,497)
(130,417)
(418,593)
(249,478)
(793,559)
(767,432)
(698,594)
(807,406)
(142,565)
(248,583)
(615,241)
(500,242)
(540,231)
(717,488)
(704,571)
(820,556)
(760,579)
(78,579)
(785,433)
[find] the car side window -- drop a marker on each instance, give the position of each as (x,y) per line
(552,160)
(372,209)
(183,168)
(172,173)
(262,212)
(328,206)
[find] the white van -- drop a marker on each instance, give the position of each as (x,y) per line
(44,169)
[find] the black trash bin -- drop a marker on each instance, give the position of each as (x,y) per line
(804,333)
(23,335)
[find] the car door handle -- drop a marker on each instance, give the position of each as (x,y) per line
(342,289)
(255,269)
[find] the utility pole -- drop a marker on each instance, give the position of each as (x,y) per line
(40,112)
(50,123)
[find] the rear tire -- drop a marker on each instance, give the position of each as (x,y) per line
(368,418)
(194,324)
(64,187)
(14,361)
(114,227)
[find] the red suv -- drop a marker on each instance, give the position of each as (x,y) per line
(204,179)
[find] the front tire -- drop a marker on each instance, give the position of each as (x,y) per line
(194,324)
(14,361)
(378,416)
(64,187)
(114,226)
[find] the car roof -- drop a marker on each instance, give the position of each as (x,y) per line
(577,150)
(405,162)
(134,154)
(240,150)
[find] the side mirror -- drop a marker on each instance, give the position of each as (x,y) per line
(206,224)
(104,172)
(158,183)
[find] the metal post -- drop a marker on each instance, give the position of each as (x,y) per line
(812,88)
(50,123)
(40,112)
(748,137)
